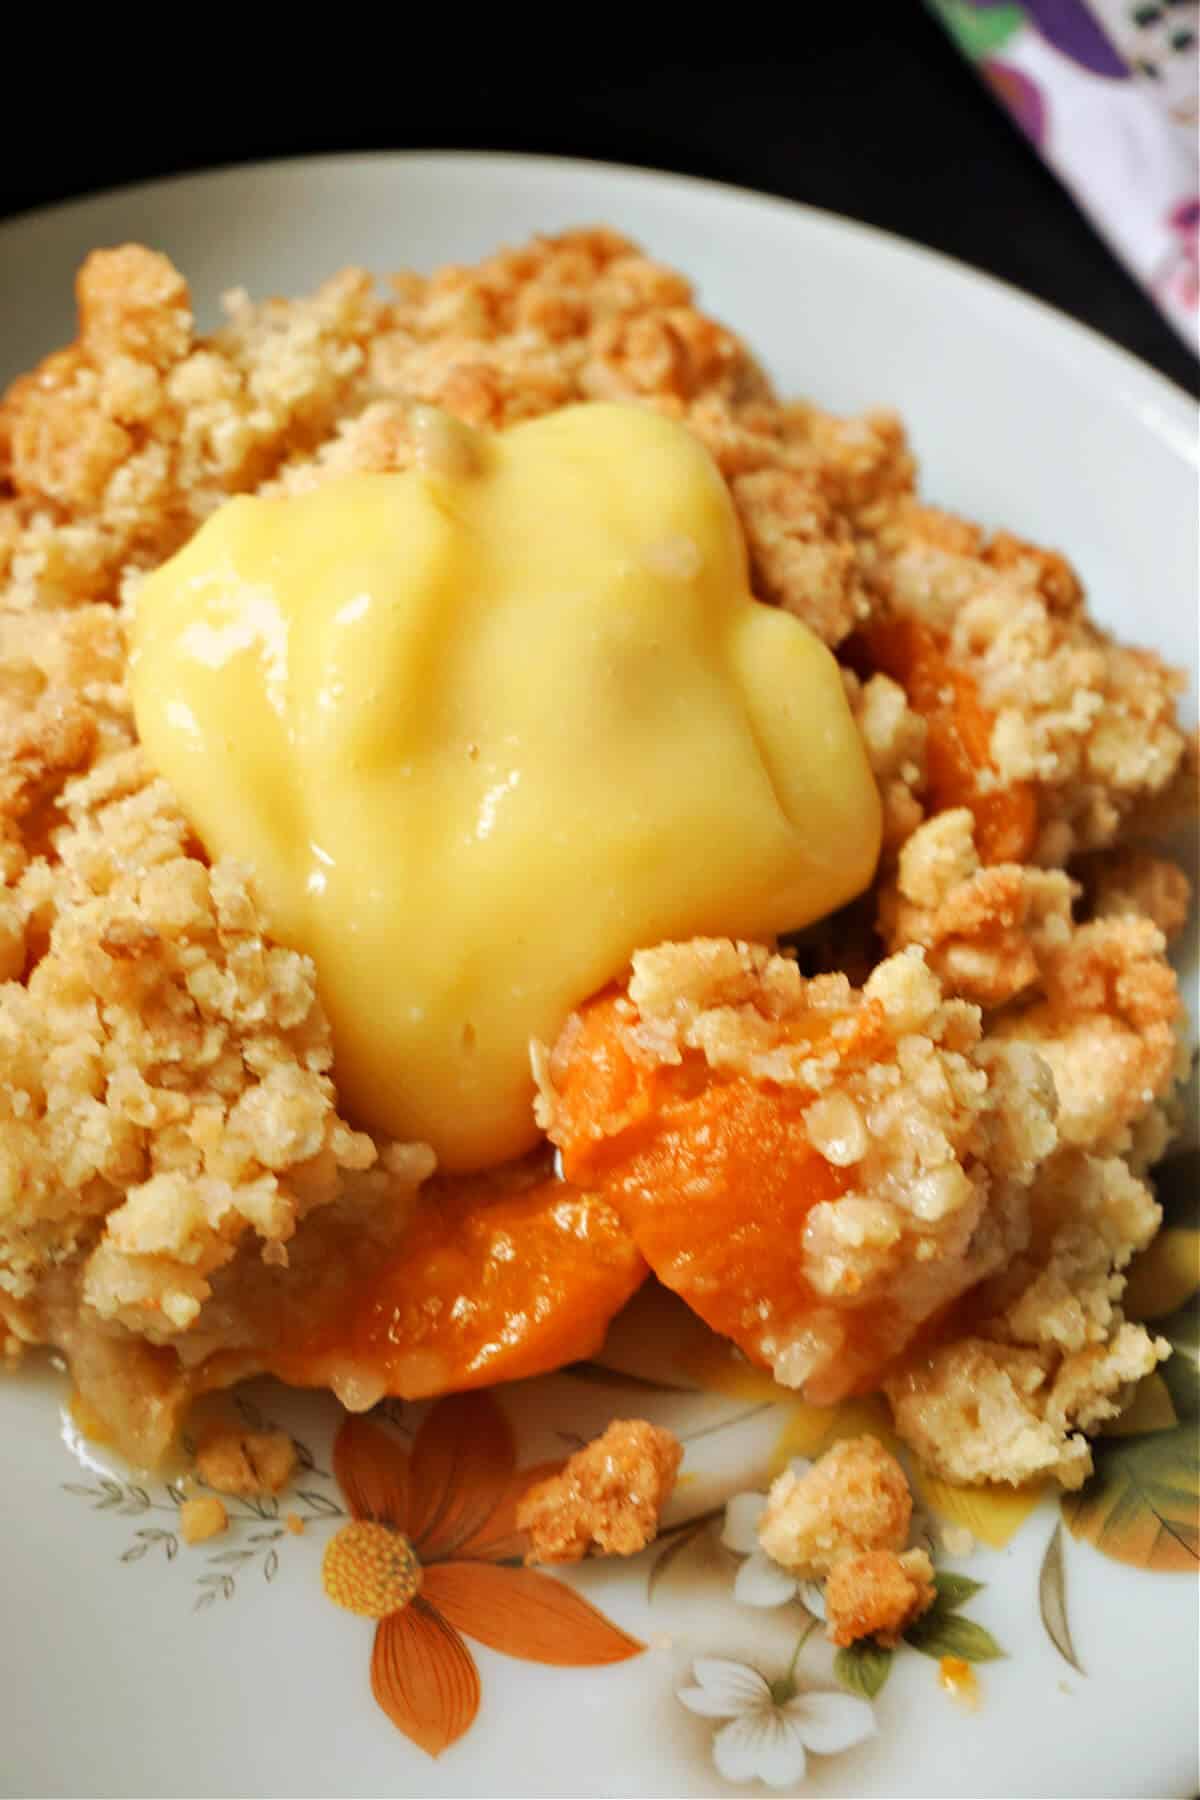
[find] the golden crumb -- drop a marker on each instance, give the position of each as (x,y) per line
(1058,1358)
(294,1523)
(895,738)
(201,1519)
(1092,723)
(802,551)
(985,931)
(877,1593)
(854,1499)
(1107,1028)
(608,1498)
(978,1410)
(246,1463)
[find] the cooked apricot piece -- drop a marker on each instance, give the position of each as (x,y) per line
(496,1277)
(805,1163)
(715,1179)
(958,746)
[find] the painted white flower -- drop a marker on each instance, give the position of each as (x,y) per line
(760,1581)
(771,1726)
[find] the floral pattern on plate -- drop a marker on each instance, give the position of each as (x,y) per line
(433,1554)
(415,1519)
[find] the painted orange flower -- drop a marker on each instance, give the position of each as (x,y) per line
(433,1551)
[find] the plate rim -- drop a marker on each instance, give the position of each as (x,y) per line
(880,238)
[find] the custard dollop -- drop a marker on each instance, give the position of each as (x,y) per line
(484,728)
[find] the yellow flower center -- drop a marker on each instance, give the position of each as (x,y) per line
(370,1569)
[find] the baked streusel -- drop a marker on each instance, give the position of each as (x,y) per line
(978,1078)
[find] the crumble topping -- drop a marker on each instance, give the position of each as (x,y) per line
(979,1410)
(1092,722)
(202,1518)
(984,930)
(877,1593)
(245,1463)
(854,1499)
(940,1134)
(608,1498)
(844,1521)
(894,735)
(172,1153)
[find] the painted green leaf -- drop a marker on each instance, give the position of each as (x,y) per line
(953,1590)
(1142,1504)
(941,1632)
(320,1503)
(863,1667)
(1164,1277)
(978,30)
(1052,1599)
(1180,1371)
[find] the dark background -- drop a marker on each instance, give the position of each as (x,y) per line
(867,110)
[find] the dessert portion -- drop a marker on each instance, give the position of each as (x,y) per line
(387,681)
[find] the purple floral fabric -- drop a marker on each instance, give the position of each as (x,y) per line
(1106,91)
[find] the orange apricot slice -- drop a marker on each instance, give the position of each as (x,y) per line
(496,1277)
(715,1177)
(958,744)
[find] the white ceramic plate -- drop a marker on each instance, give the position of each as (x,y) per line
(118,1674)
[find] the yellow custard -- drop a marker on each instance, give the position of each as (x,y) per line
(486,727)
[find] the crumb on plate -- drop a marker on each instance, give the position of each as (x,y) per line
(877,1593)
(202,1518)
(249,1464)
(608,1497)
(854,1499)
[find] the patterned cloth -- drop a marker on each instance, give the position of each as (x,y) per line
(1106,90)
